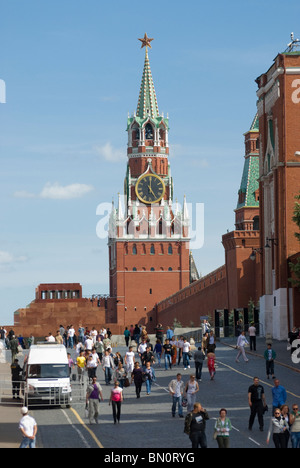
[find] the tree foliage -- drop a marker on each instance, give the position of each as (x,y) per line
(295,267)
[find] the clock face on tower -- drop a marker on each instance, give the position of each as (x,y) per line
(150,188)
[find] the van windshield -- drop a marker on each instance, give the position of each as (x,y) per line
(48,371)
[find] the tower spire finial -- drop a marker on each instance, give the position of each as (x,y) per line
(146,42)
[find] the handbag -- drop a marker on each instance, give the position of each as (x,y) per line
(126,382)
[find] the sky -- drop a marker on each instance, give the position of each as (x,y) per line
(72,72)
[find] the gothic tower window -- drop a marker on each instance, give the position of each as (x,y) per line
(149,132)
(170,250)
(134,250)
(152,249)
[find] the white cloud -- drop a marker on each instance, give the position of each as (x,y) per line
(55,191)
(58,192)
(7,258)
(111,154)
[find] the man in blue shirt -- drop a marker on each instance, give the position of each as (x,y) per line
(279,395)
(170,333)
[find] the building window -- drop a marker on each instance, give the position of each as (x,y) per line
(152,249)
(170,250)
(256,223)
(170,269)
(134,250)
(152,269)
(134,269)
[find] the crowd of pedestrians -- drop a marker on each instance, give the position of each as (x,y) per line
(139,366)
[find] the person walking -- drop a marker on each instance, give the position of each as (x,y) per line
(285,411)
(186,354)
(120,375)
(99,347)
(116,398)
(191,389)
(137,378)
(257,403)
(13,346)
(81,364)
(195,424)
(222,430)
(160,332)
(211,347)
(278,427)
(167,350)
(16,372)
(211,364)
(28,427)
(81,334)
(158,351)
(279,395)
(137,334)
(241,343)
(149,374)
(70,338)
(180,348)
(295,426)
(176,388)
(170,333)
(127,336)
(91,366)
(129,360)
(199,358)
(108,366)
(93,396)
(204,343)
(270,357)
(252,334)
(147,356)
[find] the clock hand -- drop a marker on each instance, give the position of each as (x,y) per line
(151,191)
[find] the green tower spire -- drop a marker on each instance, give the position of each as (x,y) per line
(249,183)
(147,104)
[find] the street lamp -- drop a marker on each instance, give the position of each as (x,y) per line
(254,252)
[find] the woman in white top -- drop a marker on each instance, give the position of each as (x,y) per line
(185,353)
(241,343)
(191,389)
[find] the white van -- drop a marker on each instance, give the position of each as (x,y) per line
(47,375)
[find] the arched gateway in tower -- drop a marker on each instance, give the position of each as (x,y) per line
(148,237)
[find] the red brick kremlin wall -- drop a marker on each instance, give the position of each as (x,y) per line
(198,299)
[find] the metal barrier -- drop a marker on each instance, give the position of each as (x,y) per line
(19,392)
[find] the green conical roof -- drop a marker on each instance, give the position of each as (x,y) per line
(147,104)
(255,124)
(249,183)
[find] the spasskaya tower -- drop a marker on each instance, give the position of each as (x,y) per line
(148,235)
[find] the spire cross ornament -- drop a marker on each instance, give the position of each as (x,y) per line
(146,41)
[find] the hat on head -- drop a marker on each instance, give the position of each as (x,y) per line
(24,410)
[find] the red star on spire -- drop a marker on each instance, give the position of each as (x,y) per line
(146,41)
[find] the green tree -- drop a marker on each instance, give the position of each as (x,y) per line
(295,267)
